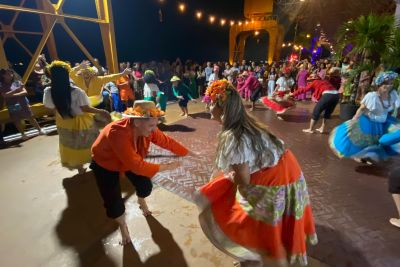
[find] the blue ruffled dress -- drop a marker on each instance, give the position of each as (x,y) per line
(375,135)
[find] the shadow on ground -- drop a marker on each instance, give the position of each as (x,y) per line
(83,224)
(335,249)
(170,254)
(175,128)
(200,115)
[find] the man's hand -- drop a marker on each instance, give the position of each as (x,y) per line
(170,166)
(179,97)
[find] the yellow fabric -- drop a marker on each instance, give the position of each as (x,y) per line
(76,137)
(93,91)
(72,158)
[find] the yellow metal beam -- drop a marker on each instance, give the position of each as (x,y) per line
(45,21)
(23,46)
(39,50)
(16,14)
(3,58)
(59,5)
(22,32)
(104,12)
(77,42)
(41,12)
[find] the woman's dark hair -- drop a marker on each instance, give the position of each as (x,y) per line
(5,71)
(61,91)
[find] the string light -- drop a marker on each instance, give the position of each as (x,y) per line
(256,33)
(182,7)
(308,35)
(283,45)
(212,19)
(252,21)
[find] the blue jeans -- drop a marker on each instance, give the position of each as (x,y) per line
(117,103)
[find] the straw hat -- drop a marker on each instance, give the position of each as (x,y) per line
(175,79)
(143,109)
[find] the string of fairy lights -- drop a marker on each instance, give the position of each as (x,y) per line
(212,19)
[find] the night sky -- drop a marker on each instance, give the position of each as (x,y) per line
(139,33)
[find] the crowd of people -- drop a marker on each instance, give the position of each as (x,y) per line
(258,207)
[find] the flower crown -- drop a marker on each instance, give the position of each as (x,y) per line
(385,76)
(144,113)
(217,91)
(59,63)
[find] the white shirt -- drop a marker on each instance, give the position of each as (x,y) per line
(376,111)
(231,154)
(148,89)
(78,100)
(284,84)
(213,78)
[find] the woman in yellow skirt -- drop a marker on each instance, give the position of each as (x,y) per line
(74,117)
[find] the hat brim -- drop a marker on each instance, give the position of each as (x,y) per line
(140,117)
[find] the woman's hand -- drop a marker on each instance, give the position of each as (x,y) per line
(105,115)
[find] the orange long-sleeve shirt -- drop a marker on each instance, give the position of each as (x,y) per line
(115,149)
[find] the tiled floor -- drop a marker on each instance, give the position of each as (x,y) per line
(52,217)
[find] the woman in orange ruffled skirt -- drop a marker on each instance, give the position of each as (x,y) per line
(258,207)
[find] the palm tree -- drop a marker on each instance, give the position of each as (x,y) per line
(371,37)
(391,58)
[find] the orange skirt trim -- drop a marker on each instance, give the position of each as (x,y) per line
(281,240)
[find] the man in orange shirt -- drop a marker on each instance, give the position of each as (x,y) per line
(121,148)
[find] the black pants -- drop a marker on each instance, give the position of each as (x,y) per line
(394,182)
(110,188)
(256,94)
(328,104)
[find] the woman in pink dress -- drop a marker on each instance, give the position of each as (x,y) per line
(301,80)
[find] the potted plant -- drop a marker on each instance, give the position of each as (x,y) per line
(371,38)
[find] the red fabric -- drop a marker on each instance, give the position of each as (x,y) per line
(286,236)
(251,83)
(319,86)
(275,105)
(115,150)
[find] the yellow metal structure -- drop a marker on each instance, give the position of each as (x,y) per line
(259,18)
(51,14)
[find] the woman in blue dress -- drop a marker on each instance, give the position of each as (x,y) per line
(374,133)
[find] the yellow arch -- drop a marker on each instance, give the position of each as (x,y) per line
(259,16)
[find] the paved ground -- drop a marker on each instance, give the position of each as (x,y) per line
(51,217)
(350,201)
